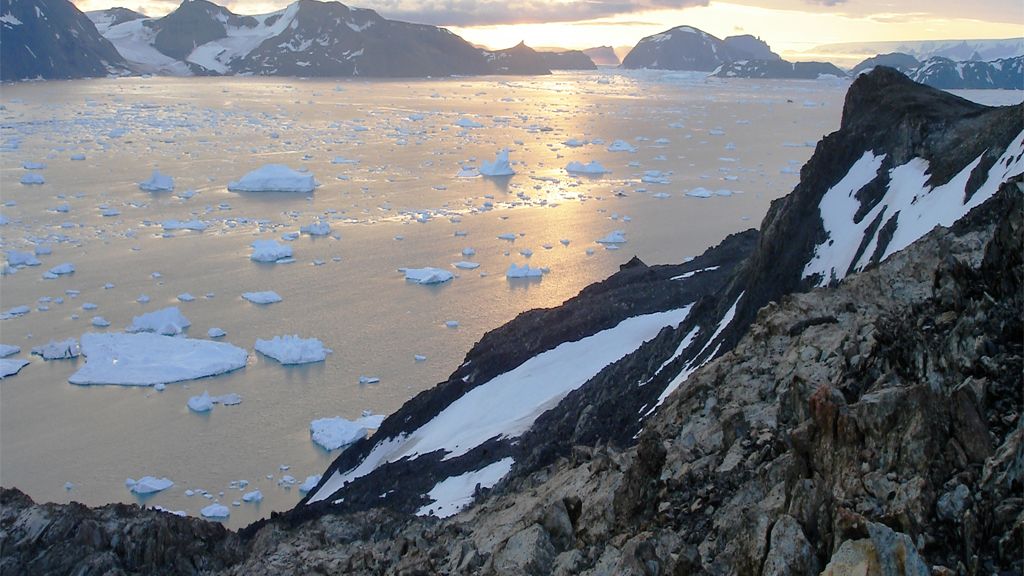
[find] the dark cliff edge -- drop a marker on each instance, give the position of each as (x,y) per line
(867,421)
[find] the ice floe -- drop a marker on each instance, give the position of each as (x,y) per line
(269,251)
(316,229)
(264,297)
(8,350)
(33,179)
(215,511)
(523,271)
(11,366)
(427,275)
(167,321)
(148,485)
(58,349)
(615,237)
(274,178)
(157,182)
(592,169)
(146,359)
(293,349)
(196,225)
(254,496)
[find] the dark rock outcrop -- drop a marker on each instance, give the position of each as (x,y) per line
(104,19)
(519,59)
(779,69)
(756,48)
(1004,74)
(568,60)
(898,60)
(194,23)
(52,39)
(603,56)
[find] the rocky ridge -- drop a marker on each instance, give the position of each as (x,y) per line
(779,69)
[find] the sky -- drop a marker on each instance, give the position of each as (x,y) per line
(789,26)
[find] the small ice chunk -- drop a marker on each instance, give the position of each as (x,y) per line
(316,229)
(333,433)
(167,321)
(621,146)
(215,511)
(11,366)
(500,166)
(142,299)
(78,157)
(201,403)
(157,183)
(264,297)
(523,271)
(269,251)
(148,485)
(593,168)
(33,179)
(574,143)
(309,483)
(293,349)
(69,486)
(254,496)
(215,333)
(15,312)
(58,349)
(427,275)
(468,123)
(15,258)
(274,178)
(28,165)
(8,350)
(419,358)
(615,237)
(507,236)
(699,192)
(468,252)
(466,265)
(229,399)
(100,322)
(195,225)
(452,323)
(186,297)
(369,379)
(62,269)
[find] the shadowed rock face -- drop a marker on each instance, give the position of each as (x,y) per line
(194,23)
(52,39)
(902,62)
(1002,74)
(519,59)
(780,69)
(568,60)
(682,48)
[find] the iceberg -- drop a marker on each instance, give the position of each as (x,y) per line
(699,193)
(11,366)
(215,511)
(148,484)
(592,169)
(167,321)
(15,258)
(157,183)
(427,275)
(616,237)
(8,350)
(201,403)
(33,179)
(254,496)
(274,178)
(500,166)
(293,350)
(333,433)
(316,229)
(523,271)
(621,146)
(196,225)
(269,251)
(468,123)
(146,359)
(265,297)
(58,349)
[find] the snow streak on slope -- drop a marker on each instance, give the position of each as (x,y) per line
(915,207)
(455,493)
(241,40)
(507,405)
(134,40)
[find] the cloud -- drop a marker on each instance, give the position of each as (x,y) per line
(826,2)
(491,12)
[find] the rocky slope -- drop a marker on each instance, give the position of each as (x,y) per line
(568,60)
(842,391)
(903,62)
(603,55)
(52,39)
(519,59)
(779,69)
(682,48)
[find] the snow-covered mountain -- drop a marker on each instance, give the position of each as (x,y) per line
(1002,74)
(688,48)
(907,158)
(777,69)
(308,38)
(903,62)
(959,50)
(52,39)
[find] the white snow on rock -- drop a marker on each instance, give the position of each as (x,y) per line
(523,271)
(269,251)
(11,366)
(293,349)
(215,511)
(917,208)
(309,483)
(593,168)
(146,359)
(157,182)
(274,178)
(264,297)
(451,495)
(58,349)
(167,321)
(427,275)
(500,166)
(508,404)
(148,485)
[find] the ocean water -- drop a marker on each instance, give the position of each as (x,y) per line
(398,203)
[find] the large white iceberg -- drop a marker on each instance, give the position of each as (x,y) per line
(269,251)
(274,178)
(157,183)
(146,359)
(333,433)
(500,166)
(167,321)
(427,275)
(148,484)
(293,350)
(523,271)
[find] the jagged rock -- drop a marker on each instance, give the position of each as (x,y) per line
(777,69)
(529,551)
(790,552)
(568,60)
